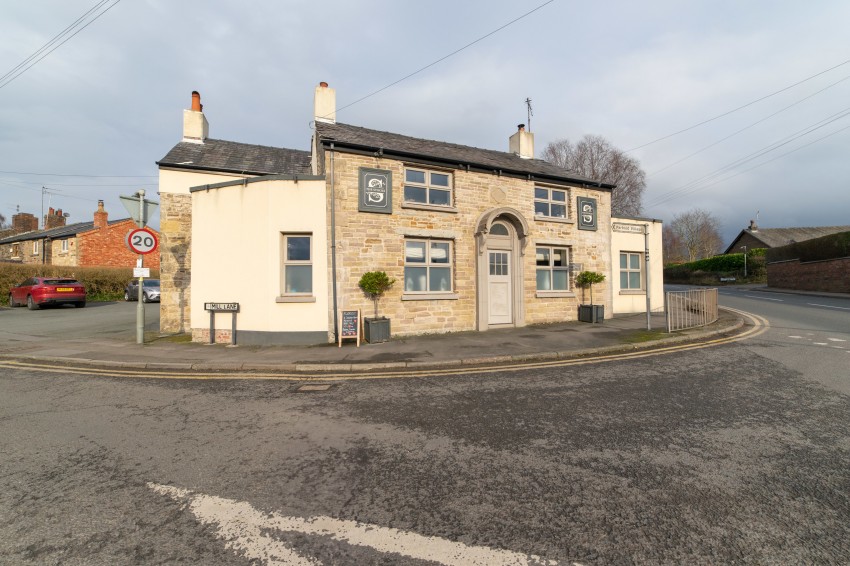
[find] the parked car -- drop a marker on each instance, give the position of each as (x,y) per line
(38,292)
(150,291)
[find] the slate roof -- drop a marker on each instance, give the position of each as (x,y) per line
(776,237)
(450,153)
(56,233)
(234,157)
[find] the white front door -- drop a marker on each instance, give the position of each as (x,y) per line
(499,288)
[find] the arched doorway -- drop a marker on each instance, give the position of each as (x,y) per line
(501,238)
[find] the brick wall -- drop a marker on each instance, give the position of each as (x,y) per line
(369,241)
(832,276)
(105,247)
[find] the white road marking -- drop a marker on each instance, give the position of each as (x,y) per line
(800,337)
(828,306)
(765,298)
(242,527)
(836,340)
(820,343)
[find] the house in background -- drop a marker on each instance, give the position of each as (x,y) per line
(476,239)
(754,237)
(99,243)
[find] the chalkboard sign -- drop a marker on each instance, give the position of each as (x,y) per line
(350,325)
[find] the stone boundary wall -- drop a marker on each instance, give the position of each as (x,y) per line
(832,276)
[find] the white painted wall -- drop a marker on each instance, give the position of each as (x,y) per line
(180,181)
(237,256)
(627,301)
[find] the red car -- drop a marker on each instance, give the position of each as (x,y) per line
(36,292)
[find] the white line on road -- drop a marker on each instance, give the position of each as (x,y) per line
(243,528)
(765,298)
(836,340)
(828,306)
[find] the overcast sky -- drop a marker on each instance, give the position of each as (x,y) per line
(109,102)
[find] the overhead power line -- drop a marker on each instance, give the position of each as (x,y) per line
(668,136)
(455,52)
(40,54)
(694,185)
(748,127)
(80,175)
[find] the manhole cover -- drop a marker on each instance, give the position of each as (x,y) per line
(323,387)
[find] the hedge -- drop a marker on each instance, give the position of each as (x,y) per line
(102,283)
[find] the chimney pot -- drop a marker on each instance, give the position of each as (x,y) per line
(323,84)
(521,127)
(50,211)
(196,101)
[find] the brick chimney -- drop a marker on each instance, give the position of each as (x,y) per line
(54,219)
(324,104)
(195,126)
(24,222)
(522,143)
(100,216)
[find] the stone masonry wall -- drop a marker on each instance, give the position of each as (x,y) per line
(175,234)
(68,258)
(370,241)
(832,276)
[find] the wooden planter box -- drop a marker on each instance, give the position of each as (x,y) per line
(376,329)
(591,313)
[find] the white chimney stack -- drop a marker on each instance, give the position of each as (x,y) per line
(522,143)
(195,126)
(324,104)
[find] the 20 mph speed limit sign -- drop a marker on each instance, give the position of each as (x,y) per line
(141,241)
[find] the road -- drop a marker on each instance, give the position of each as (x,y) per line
(731,454)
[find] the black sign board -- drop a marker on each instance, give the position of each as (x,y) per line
(586,213)
(350,325)
(375,190)
(221,307)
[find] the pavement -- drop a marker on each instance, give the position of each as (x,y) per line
(623,333)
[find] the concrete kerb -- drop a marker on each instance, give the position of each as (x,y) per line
(307,368)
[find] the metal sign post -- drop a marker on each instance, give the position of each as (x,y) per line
(648,285)
(140,210)
(140,307)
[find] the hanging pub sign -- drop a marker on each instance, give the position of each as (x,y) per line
(375,190)
(586,213)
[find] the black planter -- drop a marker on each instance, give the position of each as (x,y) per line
(376,329)
(591,313)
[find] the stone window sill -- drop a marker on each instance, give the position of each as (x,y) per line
(295,299)
(555,294)
(430,297)
(431,207)
(633,292)
(541,218)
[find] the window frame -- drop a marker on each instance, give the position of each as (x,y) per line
(36,248)
(549,201)
(63,246)
(285,262)
(427,186)
(428,264)
(629,270)
(552,268)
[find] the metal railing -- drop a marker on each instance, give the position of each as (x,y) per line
(689,309)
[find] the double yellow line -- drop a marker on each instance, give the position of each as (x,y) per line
(757,326)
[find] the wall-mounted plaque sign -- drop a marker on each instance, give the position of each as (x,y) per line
(627,228)
(375,190)
(586,213)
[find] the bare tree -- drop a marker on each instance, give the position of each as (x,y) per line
(2,221)
(596,158)
(671,246)
(698,234)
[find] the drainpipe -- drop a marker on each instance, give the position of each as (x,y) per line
(648,283)
(333,247)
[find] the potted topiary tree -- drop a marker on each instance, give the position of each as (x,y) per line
(591,312)
(374,284)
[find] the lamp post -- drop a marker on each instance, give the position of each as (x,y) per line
(745,260)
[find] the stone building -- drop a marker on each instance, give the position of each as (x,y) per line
(475,238)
